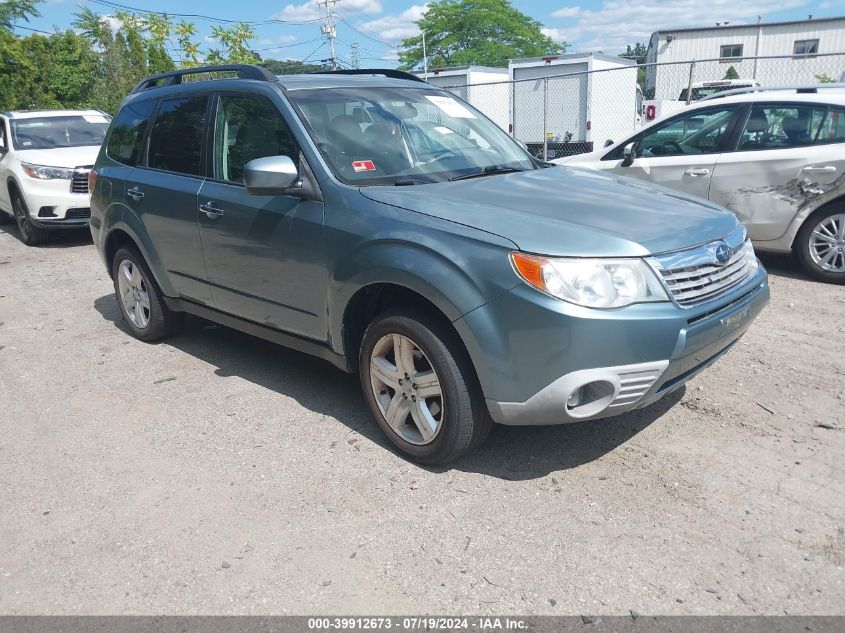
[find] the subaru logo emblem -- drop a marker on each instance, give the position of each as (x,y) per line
(722,253)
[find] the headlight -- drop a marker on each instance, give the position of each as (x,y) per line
(593,283)
(42,172)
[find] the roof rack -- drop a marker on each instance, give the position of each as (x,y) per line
(244,71)
(811,89)
(385,72)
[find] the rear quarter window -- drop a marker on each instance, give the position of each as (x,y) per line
(127,132)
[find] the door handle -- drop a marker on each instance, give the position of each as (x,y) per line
(823,169)
(696,172)
(210,210)
(135,193)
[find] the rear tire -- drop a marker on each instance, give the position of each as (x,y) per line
(820,244)
(31,235)
(140,299)
(421,388)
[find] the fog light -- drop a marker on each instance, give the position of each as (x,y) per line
(590,399)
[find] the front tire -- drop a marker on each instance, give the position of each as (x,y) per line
(820,244)
(140,299)
(421,388)
(31,235)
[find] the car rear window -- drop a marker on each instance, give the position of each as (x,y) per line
(127,132)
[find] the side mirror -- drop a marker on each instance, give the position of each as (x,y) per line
(628,155)
(608,142)
(270,176)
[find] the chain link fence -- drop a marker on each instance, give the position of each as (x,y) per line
(562,113)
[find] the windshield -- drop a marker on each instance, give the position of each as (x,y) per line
(379,136)
(59,131)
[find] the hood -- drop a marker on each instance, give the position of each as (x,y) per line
(566,211)
(578,159)
(84,156)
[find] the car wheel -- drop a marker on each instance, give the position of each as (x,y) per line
(421,388)
(821,244)
(31,235)
(139,297)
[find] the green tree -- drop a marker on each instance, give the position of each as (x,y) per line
(292,67)
(484,32)
(72,70)
(731,73)
(11,11)
(235,49)
(189,49)
(638,53)
(17,73)
(824,78)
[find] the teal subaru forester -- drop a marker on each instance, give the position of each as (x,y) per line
(385,225)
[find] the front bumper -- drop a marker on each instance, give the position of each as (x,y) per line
(52,205)
(629,357)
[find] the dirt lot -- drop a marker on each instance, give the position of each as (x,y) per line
(216,473)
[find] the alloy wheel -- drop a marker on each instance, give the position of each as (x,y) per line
(133,293)
(407,389)
(827,243)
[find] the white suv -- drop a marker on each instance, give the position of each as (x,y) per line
(45,158)
(775,158)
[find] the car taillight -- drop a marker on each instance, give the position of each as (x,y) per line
(92,181)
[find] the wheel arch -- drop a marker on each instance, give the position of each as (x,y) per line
(122,233)
(802,218)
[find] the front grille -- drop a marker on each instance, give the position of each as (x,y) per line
(78,214)
(696,275)
(79,182)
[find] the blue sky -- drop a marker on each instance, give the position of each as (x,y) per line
(379,25)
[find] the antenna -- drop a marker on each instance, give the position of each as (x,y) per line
(328,29)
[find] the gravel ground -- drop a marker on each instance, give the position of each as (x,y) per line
(216,473)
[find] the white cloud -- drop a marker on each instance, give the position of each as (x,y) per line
(312,11)
(395,28)
(567,12)
(620,22)
(287,39)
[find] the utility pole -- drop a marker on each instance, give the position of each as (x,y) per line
(425,59)
(328,29)
(355,55)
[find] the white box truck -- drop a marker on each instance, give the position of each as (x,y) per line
(483,87)
(571,104)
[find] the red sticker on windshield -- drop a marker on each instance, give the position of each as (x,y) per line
(363,165)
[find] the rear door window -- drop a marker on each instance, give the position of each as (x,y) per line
(781,125)
(832,129)
(127,132)
(176,137)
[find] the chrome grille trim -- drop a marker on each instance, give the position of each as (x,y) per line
(79,182)
(694,276)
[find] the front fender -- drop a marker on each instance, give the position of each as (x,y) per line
(456,281)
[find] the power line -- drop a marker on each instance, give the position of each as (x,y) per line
(199,16)
(322,44)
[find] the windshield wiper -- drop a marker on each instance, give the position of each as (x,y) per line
(490,170)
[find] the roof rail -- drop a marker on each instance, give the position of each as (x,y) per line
(811,89)
(245,71)
(386,72)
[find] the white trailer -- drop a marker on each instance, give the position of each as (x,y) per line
(483,87)
(574,103)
